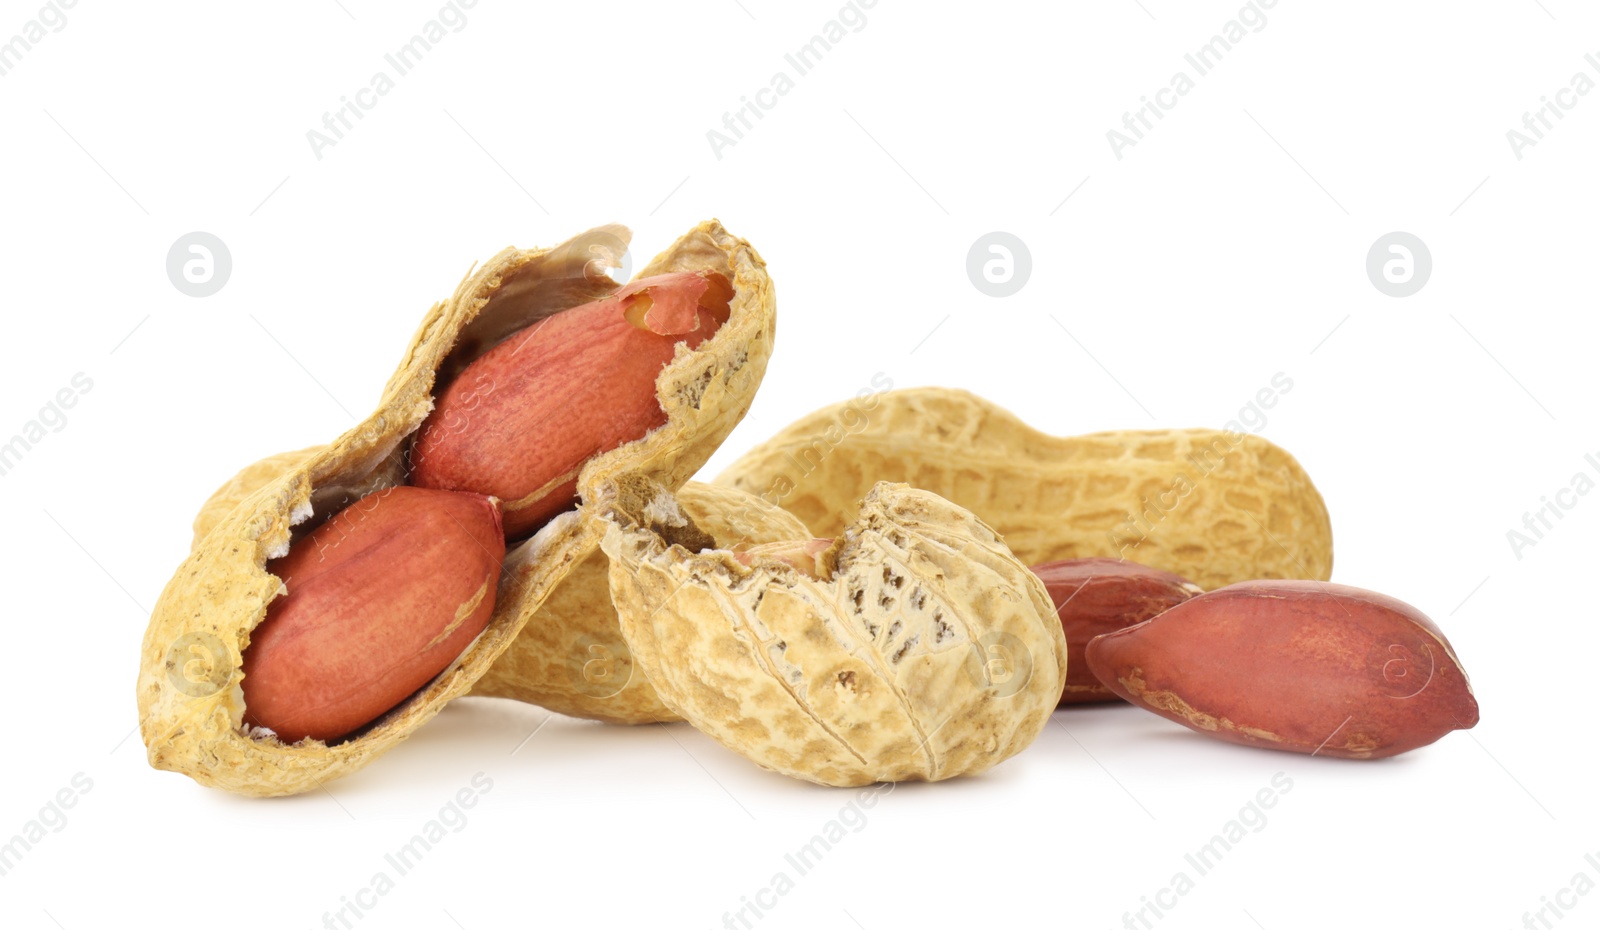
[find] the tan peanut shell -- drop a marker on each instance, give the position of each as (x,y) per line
(189,699)
(927,651)
(1213,506)
(248,481)
(570,657)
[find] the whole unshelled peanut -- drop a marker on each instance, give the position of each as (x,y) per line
(381,598)
(1301,666)
(1215,506)
(1096,596)
(521,421)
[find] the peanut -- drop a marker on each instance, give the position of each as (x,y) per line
(1213,506)
(923,649)
(1299,666)
(381,598)
(191,691)
(1095,596)
(521,421)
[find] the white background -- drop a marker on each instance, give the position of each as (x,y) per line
(1227,246)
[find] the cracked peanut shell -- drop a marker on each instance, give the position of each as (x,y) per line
(927,650)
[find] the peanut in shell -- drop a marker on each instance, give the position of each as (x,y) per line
(1214,506)
(188,692)
(928,651)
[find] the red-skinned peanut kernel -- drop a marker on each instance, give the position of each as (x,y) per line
(1095,596)
(381,599)
(1302,666)
(520,422)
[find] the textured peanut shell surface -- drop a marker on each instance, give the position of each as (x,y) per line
(1214,506)
(927,651)
(249,480)
(570,656)
(189,699)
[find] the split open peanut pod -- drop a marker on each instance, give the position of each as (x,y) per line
(1213,505)
(914,647)
(191,703)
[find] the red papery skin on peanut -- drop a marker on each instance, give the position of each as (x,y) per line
(1327,669)
(1096,596)
(373,596)
(520,422)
